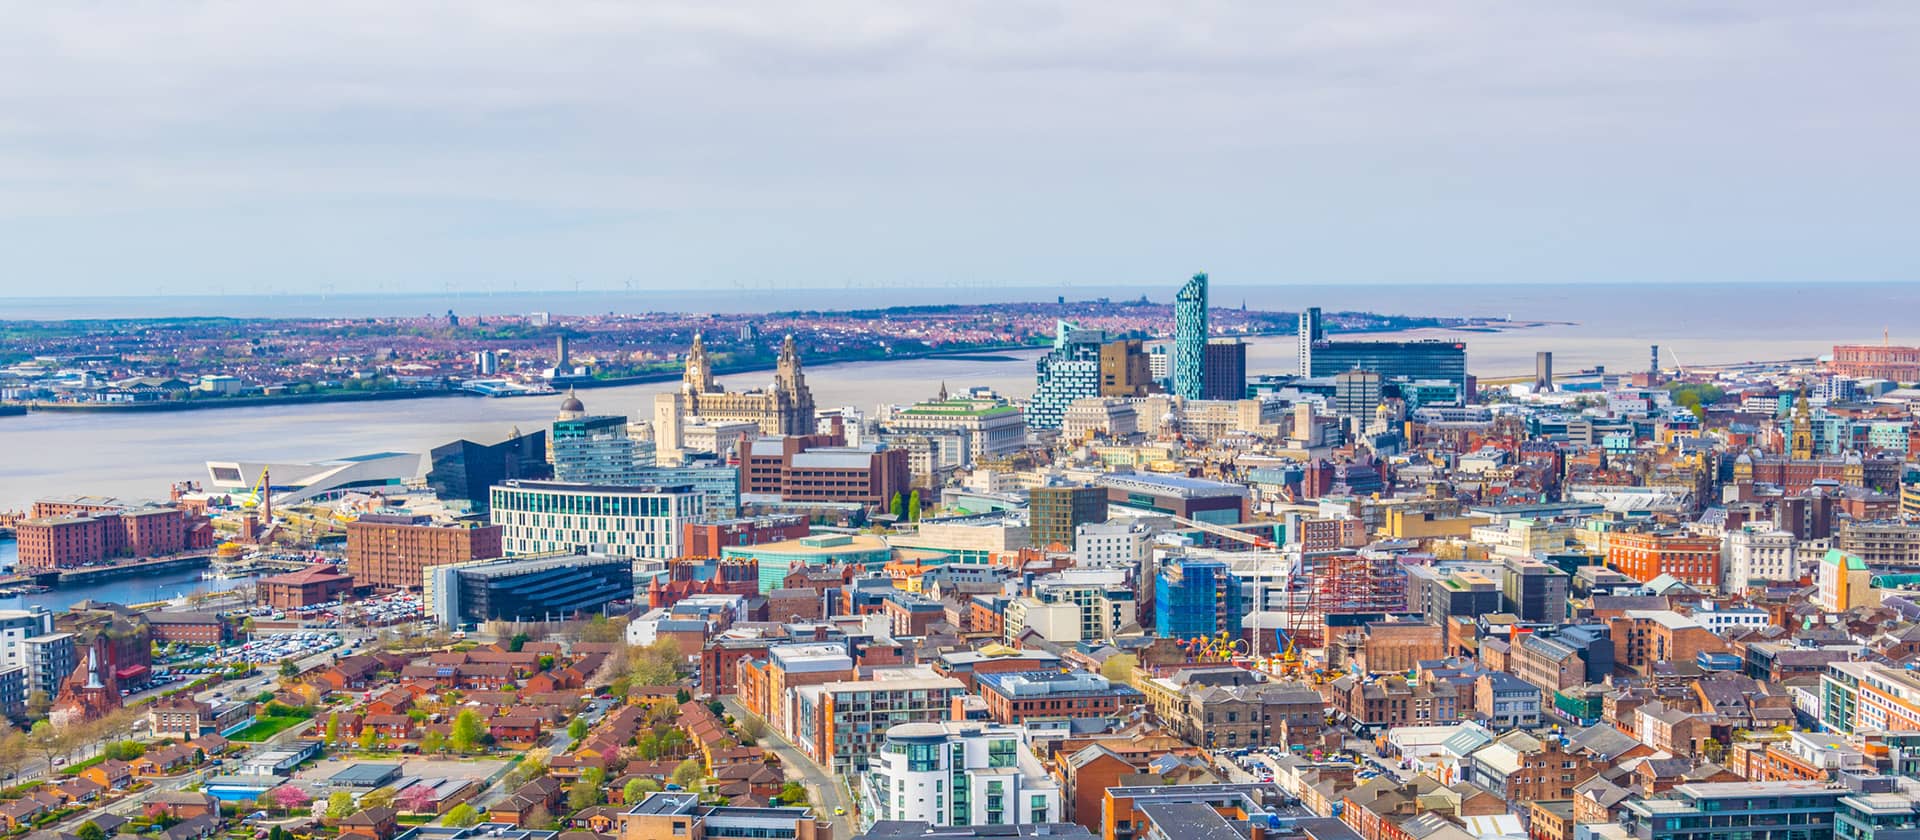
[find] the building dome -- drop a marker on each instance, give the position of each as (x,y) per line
(572,405)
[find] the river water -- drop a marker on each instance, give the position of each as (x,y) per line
(137,455)
(134,590)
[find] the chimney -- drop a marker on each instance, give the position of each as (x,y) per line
(1257,830)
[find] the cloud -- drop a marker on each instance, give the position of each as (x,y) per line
(1111,139)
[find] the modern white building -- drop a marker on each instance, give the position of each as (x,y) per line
(293,482)
(1753,555)
(541,517)
(1120,544)
(1104,598)
(959,773)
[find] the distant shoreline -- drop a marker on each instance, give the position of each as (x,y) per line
(983,353)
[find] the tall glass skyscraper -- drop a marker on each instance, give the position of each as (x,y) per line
(1190,339)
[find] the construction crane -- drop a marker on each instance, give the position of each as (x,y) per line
(1224,532)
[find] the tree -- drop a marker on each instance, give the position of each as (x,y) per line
(378,798)
(577,729)
(546,661)
(289,798)
(637,790)
(1712,749)
(416,799)
(288,669)
(467,732)
(38,702)
(462,816)
(1119,668)
(751,729)
(682,696)
(913,507)
(897,506)
(333,728)
(539,818)
(339,805)
(433,742)
(247,627)
(603,630)
(90,831)
(47,741)
(369,737)
(793,793)
(688,773)
(518,641)
(658,663)
(13,750)
(581,795)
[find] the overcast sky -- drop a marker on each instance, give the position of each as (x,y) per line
(415,146)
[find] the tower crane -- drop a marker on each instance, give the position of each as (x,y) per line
(1222,531)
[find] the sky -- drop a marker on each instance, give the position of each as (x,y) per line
(354,146)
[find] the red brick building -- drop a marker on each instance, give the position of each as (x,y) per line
(63,535)
(188,628)
(391,552)
(705,539)
(1645,555)
(1877,361)
(1018,696)
(810,468)
(314,584)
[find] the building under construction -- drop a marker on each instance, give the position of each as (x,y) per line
(1338,591)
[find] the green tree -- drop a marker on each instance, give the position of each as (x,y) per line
(288,669)
(518,641)
(467,732)
(462,816)
(89,830)
(577,729)
(897,506)
(792,794)
(378,798)
(913,507)
(1119,668)
(682,696)
(433,742)
(369,737)
(688,773)
(333,728)
(587,792)
(339,805)
(603,630)
(637,789)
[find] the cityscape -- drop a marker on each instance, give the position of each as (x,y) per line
(1074,420)
(1162,591)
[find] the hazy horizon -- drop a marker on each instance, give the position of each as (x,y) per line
(370,148)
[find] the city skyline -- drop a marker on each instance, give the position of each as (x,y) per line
(697,146)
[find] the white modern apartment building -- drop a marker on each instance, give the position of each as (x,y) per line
(1752,555)
(541,517)
(1119,544)
(959,773)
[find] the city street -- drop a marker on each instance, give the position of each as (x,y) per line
(823,789)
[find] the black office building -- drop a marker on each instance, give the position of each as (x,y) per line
(464,469)
(530,589)
(1223,372)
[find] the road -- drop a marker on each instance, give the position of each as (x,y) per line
(823,789)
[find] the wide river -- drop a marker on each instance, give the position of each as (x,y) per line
(137,455)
